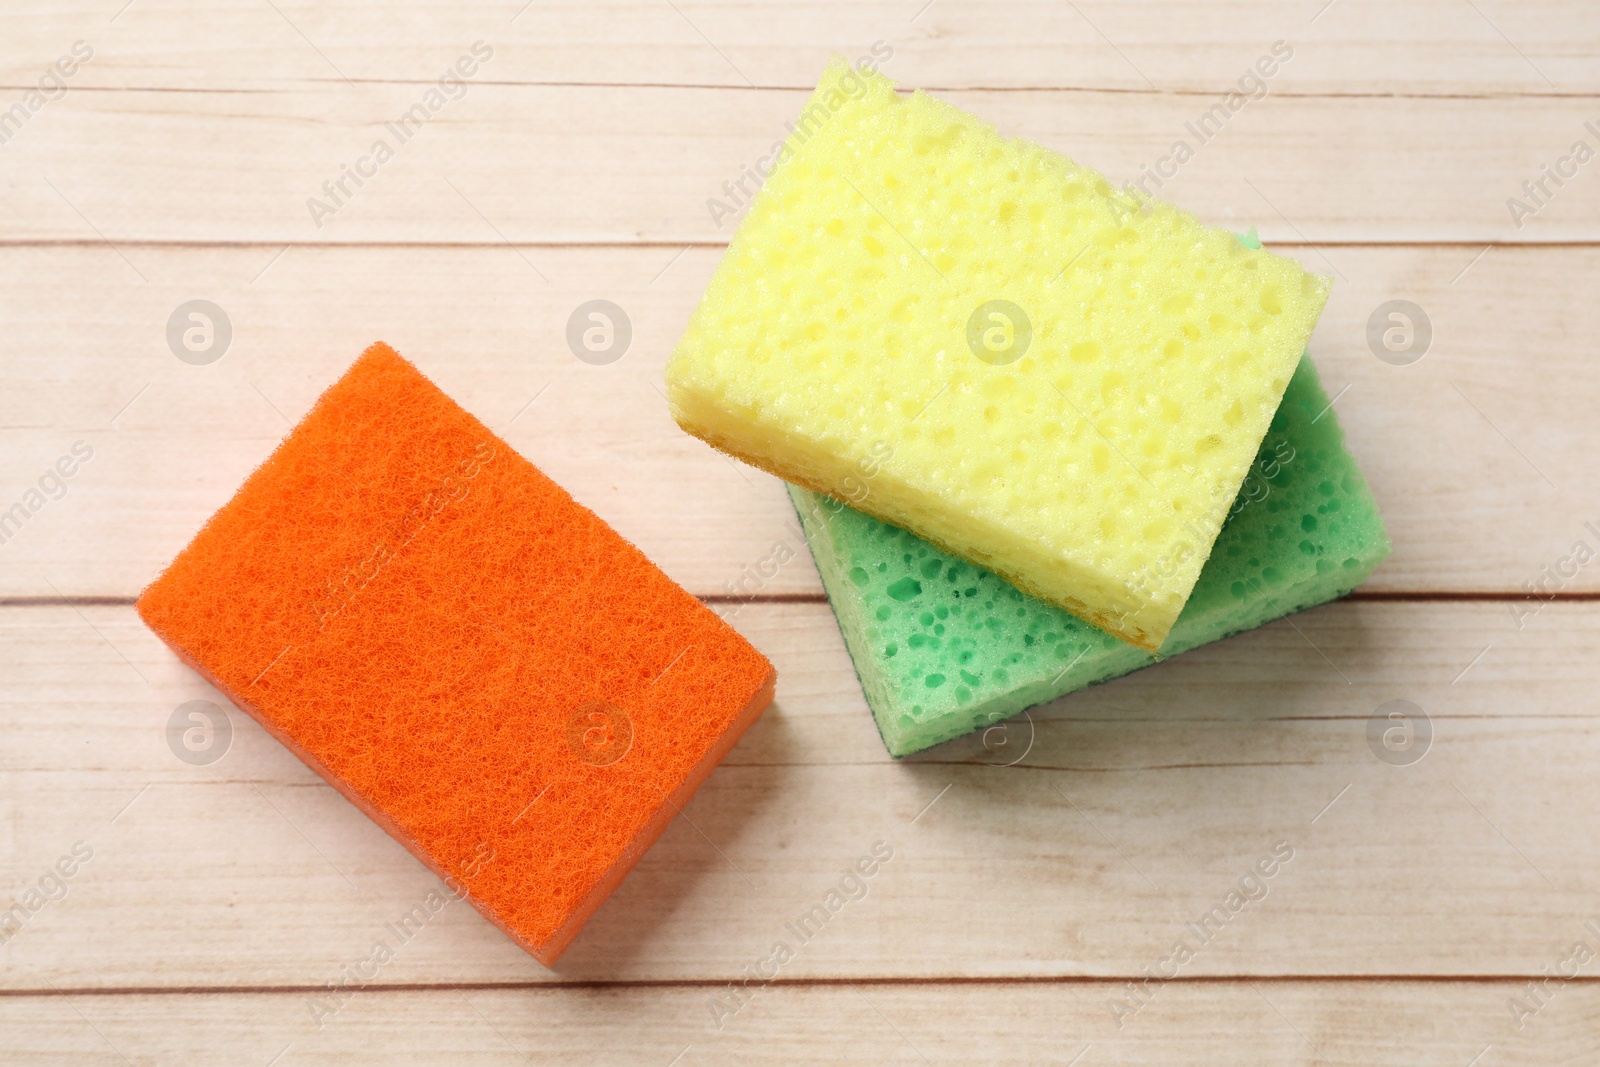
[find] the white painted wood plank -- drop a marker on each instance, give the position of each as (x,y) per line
(1228,1024)
(625,164)
(1457,445)
(1139,805)
(1365,46)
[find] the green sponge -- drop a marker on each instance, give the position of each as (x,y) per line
(944,647)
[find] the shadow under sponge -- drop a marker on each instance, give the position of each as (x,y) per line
(477,661)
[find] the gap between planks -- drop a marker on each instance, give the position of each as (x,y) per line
(718,983)
(176,244)
(319,83)
(1395,596)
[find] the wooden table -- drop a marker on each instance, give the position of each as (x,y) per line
(210,903)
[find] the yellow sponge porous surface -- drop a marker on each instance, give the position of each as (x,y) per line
(981,341)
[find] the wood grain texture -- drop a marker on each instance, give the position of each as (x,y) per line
(1458,446)
(613,163)
(1359,1024)
(1021,900)
(1134,807)
(1370,47)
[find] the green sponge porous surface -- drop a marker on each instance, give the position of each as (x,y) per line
(944,647)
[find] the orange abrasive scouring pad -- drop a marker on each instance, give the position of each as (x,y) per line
(478,662)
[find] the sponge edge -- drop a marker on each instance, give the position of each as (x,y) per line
(1092,456)
(944,648)
(475,660)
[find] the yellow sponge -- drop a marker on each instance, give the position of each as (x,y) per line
(985,343)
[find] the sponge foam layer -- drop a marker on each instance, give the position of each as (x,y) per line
(477,661)
(985,343)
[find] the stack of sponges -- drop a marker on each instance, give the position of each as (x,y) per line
(477,661)
(944,647)
(1040,380)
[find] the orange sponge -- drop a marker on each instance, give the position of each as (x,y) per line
(478,662)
